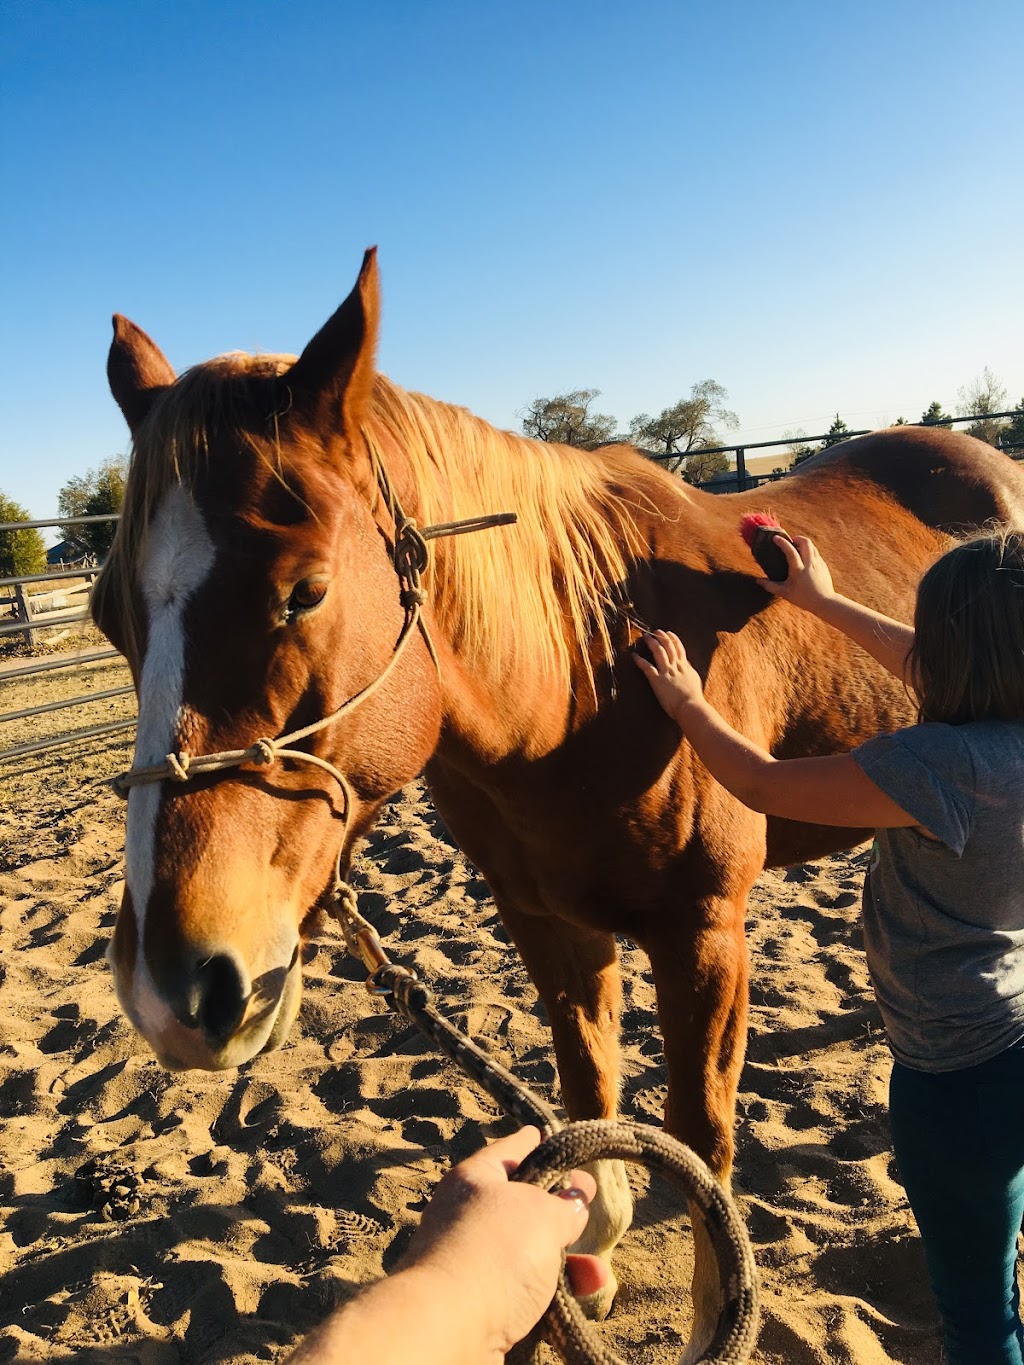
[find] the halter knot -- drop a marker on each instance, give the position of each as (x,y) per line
(345,899)
(411,554)
(264,751)
(178,765)
(412,597)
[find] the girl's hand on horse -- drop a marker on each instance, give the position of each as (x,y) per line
(809,581)
(674,680)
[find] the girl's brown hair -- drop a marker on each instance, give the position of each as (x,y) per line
(967,660)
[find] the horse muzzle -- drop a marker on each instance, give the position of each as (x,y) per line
(205,1012)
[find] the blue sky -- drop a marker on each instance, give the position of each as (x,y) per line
(818,205)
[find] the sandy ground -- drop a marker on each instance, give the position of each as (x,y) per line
(213,1218)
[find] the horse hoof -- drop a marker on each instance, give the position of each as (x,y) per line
(598,1305)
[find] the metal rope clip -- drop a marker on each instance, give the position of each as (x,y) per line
(389,978)
(362,941)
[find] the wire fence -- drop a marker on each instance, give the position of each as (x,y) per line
(34,616)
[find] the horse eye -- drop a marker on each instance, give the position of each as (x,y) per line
(307,594)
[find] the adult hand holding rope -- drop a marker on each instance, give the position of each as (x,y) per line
(478,1274)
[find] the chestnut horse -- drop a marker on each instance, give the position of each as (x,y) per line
(252,587)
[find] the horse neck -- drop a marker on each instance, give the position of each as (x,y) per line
(516,607)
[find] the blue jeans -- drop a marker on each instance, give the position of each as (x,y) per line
(959,1143)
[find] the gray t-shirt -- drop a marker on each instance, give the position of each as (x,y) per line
(944,917)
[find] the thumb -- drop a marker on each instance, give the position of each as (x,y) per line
(573,1212)
(794,551)
(774,586)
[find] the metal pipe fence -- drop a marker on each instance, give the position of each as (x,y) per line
(745,481)
(37,612)
(31,611)
(51,666)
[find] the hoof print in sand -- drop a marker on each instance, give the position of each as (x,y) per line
(210,1219)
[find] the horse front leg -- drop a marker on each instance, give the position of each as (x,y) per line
(700,974)
(576,972)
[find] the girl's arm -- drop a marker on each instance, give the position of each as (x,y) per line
(809,585)
(818,791)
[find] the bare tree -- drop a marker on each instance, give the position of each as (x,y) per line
(567,420)
(981,397)
(687,425)
(799,449)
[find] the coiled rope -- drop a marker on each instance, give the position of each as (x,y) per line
(564,1148)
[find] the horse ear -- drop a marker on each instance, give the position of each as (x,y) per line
(137,370)
(338,365)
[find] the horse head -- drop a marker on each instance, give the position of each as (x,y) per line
(252,587)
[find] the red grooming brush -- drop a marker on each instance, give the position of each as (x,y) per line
(759,530)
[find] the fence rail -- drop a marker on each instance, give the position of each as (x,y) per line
(39,746)
(58,521)
(35,613)
(40,710)
(31,620)
(31,614)
(61,570)
(745,480)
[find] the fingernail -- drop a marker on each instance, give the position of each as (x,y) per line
(575,1196)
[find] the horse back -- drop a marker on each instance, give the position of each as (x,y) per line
(948,480)
(880,508)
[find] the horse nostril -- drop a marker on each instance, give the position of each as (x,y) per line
(222,996)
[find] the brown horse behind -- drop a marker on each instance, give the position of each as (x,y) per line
(252,588)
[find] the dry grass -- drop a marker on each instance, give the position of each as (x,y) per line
(26,780)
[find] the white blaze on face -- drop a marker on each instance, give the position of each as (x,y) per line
(179,558)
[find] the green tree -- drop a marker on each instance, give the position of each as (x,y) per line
(687,426)
(21,552)
(982,397)
(700,465)
(837,432)
(95,493)
(1012,436)
(567,419)
(933,416)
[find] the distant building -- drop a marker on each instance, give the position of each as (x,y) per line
(68,554)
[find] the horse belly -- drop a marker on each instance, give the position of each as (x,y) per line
(790,842)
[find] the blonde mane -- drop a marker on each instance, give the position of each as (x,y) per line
(541,593)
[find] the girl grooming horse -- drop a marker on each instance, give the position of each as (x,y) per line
(252,585)
(943,900)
